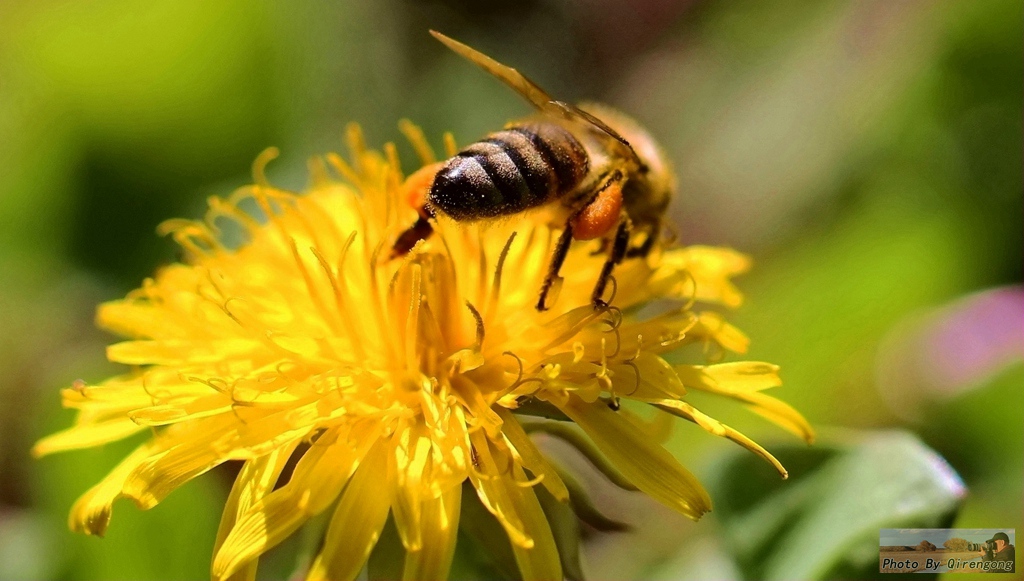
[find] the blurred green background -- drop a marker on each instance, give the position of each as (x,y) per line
(866,153)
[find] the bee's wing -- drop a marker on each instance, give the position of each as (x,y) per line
(569,111)
(511,77)
(531,91)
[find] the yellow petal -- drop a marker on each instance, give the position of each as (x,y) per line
(647,376)
(138,319)
(193,448)
(181,352)
(780,413)
(687,411)
(712,326)
(111,397)
(709,270)
(91,512)
(440,525)
(411,459)
(253,482)
(743,381)
(502,490)
(357,522)
(532,458)
(318,479)
(539,562)
(643,462)
(742,376)
(86,436)
(191,409)
(489,484)
(570,435)
(659,427)
(176,461)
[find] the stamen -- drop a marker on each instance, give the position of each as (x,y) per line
(259,192)
(521,370)
(145,388)
(681,335)
(521,264)
(496,282)
(339,298)
(418,141)
(578,351)
(259,165)
(413,319)
(451,258)
(393,180)
(391,154)
(324,220)
(618,341)
(383,323)
(318,176)
(312,288)
(211,383)
(636,370)
(639,349)
(437,339)
(482,276)
(356,145)
(529,483)
(693,295)
(523,382)
(450,148)
(573,328)
(186,232)
(345,170)
(225,306)
(479,326)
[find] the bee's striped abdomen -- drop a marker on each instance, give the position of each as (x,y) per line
(513,170)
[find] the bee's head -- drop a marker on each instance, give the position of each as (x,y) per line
(651,187)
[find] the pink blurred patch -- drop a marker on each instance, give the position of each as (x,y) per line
(950,350)
(974,338)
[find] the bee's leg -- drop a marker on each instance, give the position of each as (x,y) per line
(414,191)
(593,220)
(557,258)
(420,230)
(653,234)
(616,254)
(602,209)
(602,215)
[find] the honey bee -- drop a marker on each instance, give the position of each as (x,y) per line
(598,172)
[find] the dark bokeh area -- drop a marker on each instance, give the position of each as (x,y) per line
(867,154)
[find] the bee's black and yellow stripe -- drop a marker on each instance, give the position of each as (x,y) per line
(521,167)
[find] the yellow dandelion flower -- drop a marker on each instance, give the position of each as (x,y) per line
(289,336)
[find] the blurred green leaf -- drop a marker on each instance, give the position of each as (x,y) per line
(988,433)
(566,529)
(174,540)
(699,559)
(980,432)
(824,523)
(388,555)
(483,550)
(27,543)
